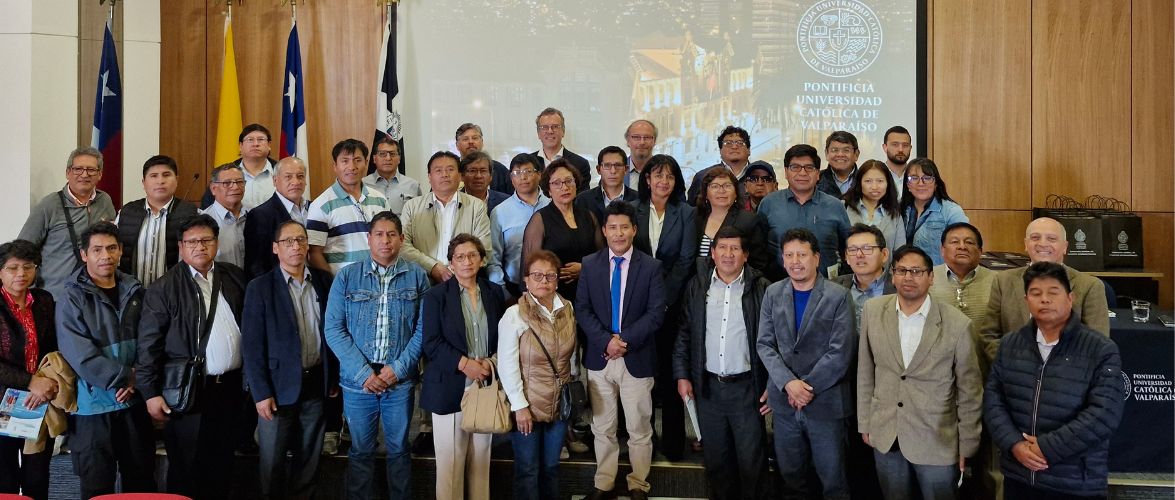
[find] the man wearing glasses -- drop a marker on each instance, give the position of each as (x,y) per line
(551,127)
(396,187)
(757,184)
(256,165)
(866,254)
(641,137)
(508,223)
(734,147)
(919,410)
(149,228)
(228,188)
(192,314)
(611,164)
(841,151)
(56,223)
(801,205)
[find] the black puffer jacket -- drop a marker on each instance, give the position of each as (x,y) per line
(1072,404)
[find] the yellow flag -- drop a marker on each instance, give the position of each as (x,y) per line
(228,121)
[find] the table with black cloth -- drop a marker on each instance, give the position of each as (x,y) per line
(1145,441)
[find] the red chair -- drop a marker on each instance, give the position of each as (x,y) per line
(13,496)
(139,496)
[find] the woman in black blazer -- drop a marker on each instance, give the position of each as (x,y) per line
(720,205)
(27,334)
(459,322)
(661,197)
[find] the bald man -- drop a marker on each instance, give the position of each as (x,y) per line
(287,203)
(1044,241)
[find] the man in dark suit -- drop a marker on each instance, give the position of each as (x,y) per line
(196,302)
(806,343)
(551,127)
(620,304)
(610,164)
(714,359)
(287,365)
(287,203)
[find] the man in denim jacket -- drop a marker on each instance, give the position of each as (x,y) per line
(371,327)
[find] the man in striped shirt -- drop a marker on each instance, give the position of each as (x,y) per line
(338,219)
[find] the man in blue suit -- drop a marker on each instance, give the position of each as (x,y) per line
(620,304)
(806,343)
(287,365)
(287,203)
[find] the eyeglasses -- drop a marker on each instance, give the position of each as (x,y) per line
(862,250)
(835,151)
(733,144)
(232,183)
(202,242)
(466,257)
(759,178)
(642,138)
(549,128)
(477,171)
(255,140)
(386,154)
(84,170)
(538,277)
(726,186)
(920,179)
(523,173)
(612,166)
(797,168)
(293,241)
(916,272)
(567,183)
(26,268)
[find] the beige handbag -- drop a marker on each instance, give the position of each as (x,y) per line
(484,409)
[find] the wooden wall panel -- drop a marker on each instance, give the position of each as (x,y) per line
(1080,98)
(1152,68)
(1158,234)
(980,96)
(183,98)
(1003,230)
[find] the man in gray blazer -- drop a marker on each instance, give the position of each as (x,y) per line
(806,344)
(919,392)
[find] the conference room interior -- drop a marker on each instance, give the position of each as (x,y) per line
(1018,102)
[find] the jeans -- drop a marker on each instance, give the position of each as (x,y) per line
(901,479)
(536,460)
(801,442)
(365,412)
(298,429)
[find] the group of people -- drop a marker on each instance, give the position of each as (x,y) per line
(265,307)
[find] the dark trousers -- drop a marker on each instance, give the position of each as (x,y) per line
(802,442)
(733,436)
(105,445)
(25,474)
(536,460)
(200,443)
(672,437)
(297,429)
(1015,490)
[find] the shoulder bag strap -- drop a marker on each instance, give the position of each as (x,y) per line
(547,354)
(73,236)
(206,331)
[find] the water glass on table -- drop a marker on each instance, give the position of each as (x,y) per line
(1142,310)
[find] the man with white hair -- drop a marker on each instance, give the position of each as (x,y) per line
(1044,241)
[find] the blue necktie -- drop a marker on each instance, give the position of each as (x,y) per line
(616,294)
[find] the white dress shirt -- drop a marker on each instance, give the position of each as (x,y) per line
(297,212)
(624,267)
(910,329)
(727,349)
(656,222)
(446,221)
(224,343)
(1045,347)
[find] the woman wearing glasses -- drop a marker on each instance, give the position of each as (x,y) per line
(720,205)
(459,320)
(26,334)
(927,209)
(571,232)
(873,201)
(536,343)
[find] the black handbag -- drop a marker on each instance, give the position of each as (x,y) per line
(572,395)
(183,379)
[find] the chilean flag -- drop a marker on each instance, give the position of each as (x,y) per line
(107,134)
(293,138)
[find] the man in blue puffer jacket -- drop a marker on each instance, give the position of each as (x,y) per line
(1054,397)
